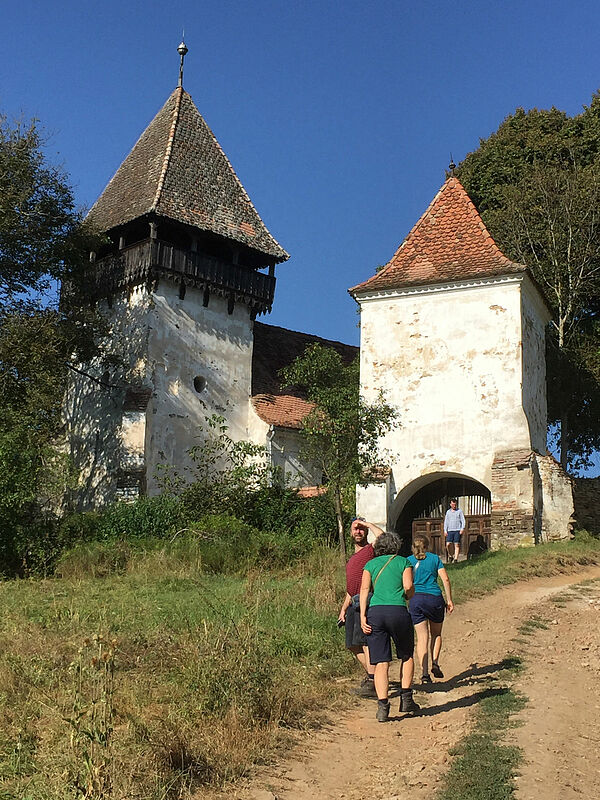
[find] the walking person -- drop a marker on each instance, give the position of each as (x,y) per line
(454,525)
(427,606)
(385,619)
(356,640)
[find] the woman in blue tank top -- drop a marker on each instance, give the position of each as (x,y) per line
(427,606)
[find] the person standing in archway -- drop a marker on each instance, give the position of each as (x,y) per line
(454,525)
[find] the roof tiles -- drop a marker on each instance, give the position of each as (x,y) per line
(178,170)
(448,243)
(275,348)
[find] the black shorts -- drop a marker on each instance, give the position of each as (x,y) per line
(427,607)
(390,623)
(354,633)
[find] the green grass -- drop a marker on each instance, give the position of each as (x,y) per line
(484,764)
(211,672)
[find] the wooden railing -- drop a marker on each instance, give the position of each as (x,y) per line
(155,258)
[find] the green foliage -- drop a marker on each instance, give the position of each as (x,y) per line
(342,432)
(536,183)
(159,517)
(42,240)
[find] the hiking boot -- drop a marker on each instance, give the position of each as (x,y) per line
(366,688)
(383,711)
(407,704)
(425,679)
(437,672)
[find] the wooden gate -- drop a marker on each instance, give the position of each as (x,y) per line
(433,528)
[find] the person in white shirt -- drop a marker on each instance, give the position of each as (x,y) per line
(454,525)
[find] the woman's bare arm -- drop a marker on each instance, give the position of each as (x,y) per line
(365,585)
(407,582)
(447,589)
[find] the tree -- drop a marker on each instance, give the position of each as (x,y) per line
(536,183)
(42,241)
(341,434)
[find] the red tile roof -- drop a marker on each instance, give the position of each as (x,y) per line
(275,348)
(284,410)
(178,170)
(449,243)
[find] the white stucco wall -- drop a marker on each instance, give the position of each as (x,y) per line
(535,317)
(101,437)
(450,359)
(187,340)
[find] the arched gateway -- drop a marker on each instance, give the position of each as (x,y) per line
(453,333)
(423,511)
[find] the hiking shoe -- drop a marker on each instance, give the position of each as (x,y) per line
(437,672)
(425,679)
(366,688)
(407,704)
(383,711)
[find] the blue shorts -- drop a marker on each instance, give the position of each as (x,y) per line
(390,623)
(427,607)
(453,536)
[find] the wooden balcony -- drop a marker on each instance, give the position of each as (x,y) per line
(152,259)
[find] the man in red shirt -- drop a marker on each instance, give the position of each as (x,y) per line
(356,641)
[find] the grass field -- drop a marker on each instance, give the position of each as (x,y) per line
(153,682)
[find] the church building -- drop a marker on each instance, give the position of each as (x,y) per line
(189,267)
(452,331)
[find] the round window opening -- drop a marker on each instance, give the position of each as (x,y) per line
(199,383)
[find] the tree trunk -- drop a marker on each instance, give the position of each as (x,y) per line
(564,439)
(337,501)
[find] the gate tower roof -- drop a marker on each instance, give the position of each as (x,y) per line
(178,170)
(448,243)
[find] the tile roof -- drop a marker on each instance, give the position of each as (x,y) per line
(275,348)
(449,243)
(178,170)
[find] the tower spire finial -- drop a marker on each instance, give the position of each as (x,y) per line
(182,50)
(451,166)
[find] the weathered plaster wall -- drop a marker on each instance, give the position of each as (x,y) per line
(535,317)
(451,361)
(105,440)
(284,447)
(557,500)
(187,341)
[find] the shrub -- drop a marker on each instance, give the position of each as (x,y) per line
(147,517)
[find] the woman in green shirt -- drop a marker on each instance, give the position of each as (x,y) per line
(386,619)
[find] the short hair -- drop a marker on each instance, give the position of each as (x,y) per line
(420,546)
(388,544)
(454,500)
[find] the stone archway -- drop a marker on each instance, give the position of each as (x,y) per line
(421,506)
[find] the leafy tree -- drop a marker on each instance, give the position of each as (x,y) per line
(342,432)
(536,183)
(42,241)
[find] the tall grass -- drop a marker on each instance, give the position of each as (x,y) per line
(209,673)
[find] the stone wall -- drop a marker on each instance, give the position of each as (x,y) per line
(557,500)
(513,503)
(586,498)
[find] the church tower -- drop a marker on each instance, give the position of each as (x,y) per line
(454,333)
(189,266)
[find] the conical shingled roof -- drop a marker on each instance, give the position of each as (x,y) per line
(178,170)
(449,243)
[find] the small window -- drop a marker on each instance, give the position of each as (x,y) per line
(199,383)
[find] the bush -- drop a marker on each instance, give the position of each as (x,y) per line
(147,517)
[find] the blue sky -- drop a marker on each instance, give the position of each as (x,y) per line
(339,117)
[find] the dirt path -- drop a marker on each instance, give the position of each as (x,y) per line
(356,757)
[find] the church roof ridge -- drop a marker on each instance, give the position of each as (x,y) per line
(449,242)
(178,169)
